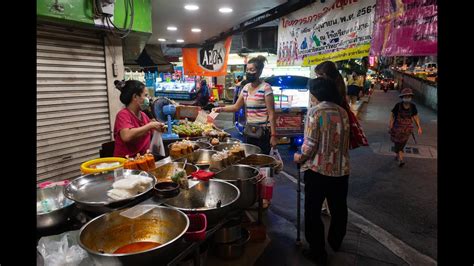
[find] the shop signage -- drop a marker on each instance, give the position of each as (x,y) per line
(207,61)
(334,30)
(405,28)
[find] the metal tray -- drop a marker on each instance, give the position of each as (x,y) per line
(92,189)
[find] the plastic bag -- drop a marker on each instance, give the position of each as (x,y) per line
(56,253)
(275,154)
(156,144)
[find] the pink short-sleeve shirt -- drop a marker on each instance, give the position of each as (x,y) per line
(126,119)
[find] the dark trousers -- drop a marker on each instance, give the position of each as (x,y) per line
(399,146)
(263,142)
(334,189)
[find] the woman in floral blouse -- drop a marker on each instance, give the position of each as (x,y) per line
(325,162)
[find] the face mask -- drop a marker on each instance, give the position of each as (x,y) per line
(251,77)
(406,100)
(145,104)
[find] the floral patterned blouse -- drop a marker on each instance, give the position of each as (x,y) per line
(326,140)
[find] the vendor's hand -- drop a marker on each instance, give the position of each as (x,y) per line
(156,125)
(217,109)
(420,131)
(273,141)
(297,157)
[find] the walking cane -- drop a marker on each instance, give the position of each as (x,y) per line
(413,135)
(298,207)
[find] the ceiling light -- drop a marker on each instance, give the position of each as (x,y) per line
(225,10)
(191,7)
(180,40)
(162,40)
(172,28)
(196,30)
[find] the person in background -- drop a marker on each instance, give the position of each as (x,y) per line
(403,115)
(354,87)
(133,128)
(325,162)
(202,97)
(257,96)
(328,69)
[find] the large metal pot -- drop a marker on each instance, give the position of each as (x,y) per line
(102,236)
(214,198)
(246,178)
(200,158)
(61,208)
(90,192)
(248,148)
(235,249)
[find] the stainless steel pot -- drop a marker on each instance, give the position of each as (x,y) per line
(61,208)
(248,148)
(235,249)
(90,192)
(230,232)
(246,178)
(214,198)
(102,236)
(196,145)
(200,158)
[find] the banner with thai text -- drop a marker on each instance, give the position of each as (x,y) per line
(325,28)
(405,28)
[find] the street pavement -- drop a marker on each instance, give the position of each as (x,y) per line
(392,210)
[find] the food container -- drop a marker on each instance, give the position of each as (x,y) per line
(249,149)
(102,236)
(164,172)
(201,158)
(166,189)
(235,249)
(197,227)
(230,232)
(53,208)
(89,167)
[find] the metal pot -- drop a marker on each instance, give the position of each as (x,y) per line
(235,249)
(214,198)
(62,210)
(246,178)
(164,172)
(102,236)
(196,145)
(200,158)
(90,192)
(230,232)
(39,259)
(248,148)
(224,140)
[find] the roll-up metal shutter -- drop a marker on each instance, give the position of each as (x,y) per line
(72,105)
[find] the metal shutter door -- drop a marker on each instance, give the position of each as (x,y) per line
(72,105)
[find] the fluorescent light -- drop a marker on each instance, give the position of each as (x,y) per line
(225,10)
(162,40)
(191,7)
(180,40)
(172,28)
(196,30)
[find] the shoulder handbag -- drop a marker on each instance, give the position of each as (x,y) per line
(357,135)
(254,130)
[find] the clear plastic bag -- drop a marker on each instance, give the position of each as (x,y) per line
(275,154)
(156,144)
(62,250)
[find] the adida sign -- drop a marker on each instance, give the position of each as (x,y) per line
(207,61)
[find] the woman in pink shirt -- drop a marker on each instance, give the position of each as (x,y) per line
(133,128)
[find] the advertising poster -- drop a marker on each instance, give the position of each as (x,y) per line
(405,28)
(208,61)
(334,30)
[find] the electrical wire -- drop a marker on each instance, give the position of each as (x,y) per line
(107,19)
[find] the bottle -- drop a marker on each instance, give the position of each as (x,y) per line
(141,163)
(150,159)
(130,163)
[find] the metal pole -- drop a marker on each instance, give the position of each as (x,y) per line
(298,207)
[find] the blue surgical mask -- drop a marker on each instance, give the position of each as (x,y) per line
(145,104)
(406,100)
